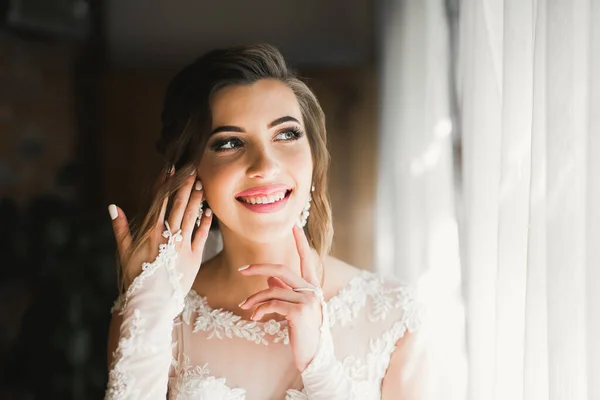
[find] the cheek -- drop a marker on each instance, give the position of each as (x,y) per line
(302,161)
(218,178)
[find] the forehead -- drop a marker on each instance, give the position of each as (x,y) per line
(261,102)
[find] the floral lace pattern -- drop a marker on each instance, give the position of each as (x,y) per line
(224,324)
(122,376)
(167,257)
(342,308)
(121,385)
(364,373)
(196,383)
(347,304)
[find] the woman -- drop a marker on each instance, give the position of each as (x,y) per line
(271,316)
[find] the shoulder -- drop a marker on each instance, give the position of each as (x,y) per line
(378,299)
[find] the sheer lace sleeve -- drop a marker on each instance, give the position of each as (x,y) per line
(142,359)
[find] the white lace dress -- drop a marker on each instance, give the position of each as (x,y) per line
(196,352)
(220,356)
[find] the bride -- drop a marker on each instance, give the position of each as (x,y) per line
(272,315)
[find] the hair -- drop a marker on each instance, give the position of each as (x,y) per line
(186,123)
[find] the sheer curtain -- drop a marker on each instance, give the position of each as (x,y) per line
(416,228)
(528,90)
(530,103)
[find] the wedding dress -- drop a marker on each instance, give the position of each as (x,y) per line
(179,347)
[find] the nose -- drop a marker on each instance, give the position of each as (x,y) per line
(264,164)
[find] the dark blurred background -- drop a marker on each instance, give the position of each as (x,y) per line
(81,86)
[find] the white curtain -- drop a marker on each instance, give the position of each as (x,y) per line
(529,80)
(527,185)
(416,229)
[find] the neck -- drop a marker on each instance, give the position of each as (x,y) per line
(238,251)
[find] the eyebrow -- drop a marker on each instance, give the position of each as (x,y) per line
(231,128)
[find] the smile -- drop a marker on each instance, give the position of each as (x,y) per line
(275,197)
(265,204)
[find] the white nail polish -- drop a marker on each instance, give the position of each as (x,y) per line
(208,212)
(242,303)
(193,172)
(198,185)
(112,210)
(243,268)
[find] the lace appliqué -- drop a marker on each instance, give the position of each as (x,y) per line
(348,303)
(167,258)
(196,383)
(361,376)
(121,383)
(221,324)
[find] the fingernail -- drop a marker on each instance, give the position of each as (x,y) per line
(242,303)
(193,172)
(170,169)
(208,212)
(198,185)
(112,210)
(243,268)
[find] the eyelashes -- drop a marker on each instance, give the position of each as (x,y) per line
(226,144)
(233,142)
(294,132)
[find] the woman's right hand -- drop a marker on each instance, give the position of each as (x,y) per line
(183,215)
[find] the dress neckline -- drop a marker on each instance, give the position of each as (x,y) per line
(201,301)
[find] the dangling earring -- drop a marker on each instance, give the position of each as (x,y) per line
(305,211)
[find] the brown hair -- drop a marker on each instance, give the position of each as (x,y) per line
(186,120)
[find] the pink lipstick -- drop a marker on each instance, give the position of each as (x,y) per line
(265,199)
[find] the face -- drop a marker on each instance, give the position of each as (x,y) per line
(256,168)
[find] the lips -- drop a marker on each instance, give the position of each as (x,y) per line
(265,199)
(272,198)
(263,191)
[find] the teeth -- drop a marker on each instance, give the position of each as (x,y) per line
(264,200)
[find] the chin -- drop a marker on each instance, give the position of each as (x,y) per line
(268,232)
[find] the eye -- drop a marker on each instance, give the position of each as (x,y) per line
(289,134)
(226,144)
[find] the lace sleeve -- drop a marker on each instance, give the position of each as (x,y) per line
(324,377)
(142,359)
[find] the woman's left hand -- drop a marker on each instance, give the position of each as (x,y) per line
(302,309)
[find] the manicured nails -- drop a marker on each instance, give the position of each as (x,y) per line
(112,211)
(193,172)
(198,185)
(243,267)
(242,303)
(208,212)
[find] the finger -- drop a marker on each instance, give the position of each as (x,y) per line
(191,212)
(121,230)
(201,233)
(276,282)
(180,202)
(280,307)
(307,267)
(274,293)
(282,272)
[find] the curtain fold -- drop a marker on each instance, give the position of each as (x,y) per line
(528,86)
(529,108)
(416,229)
